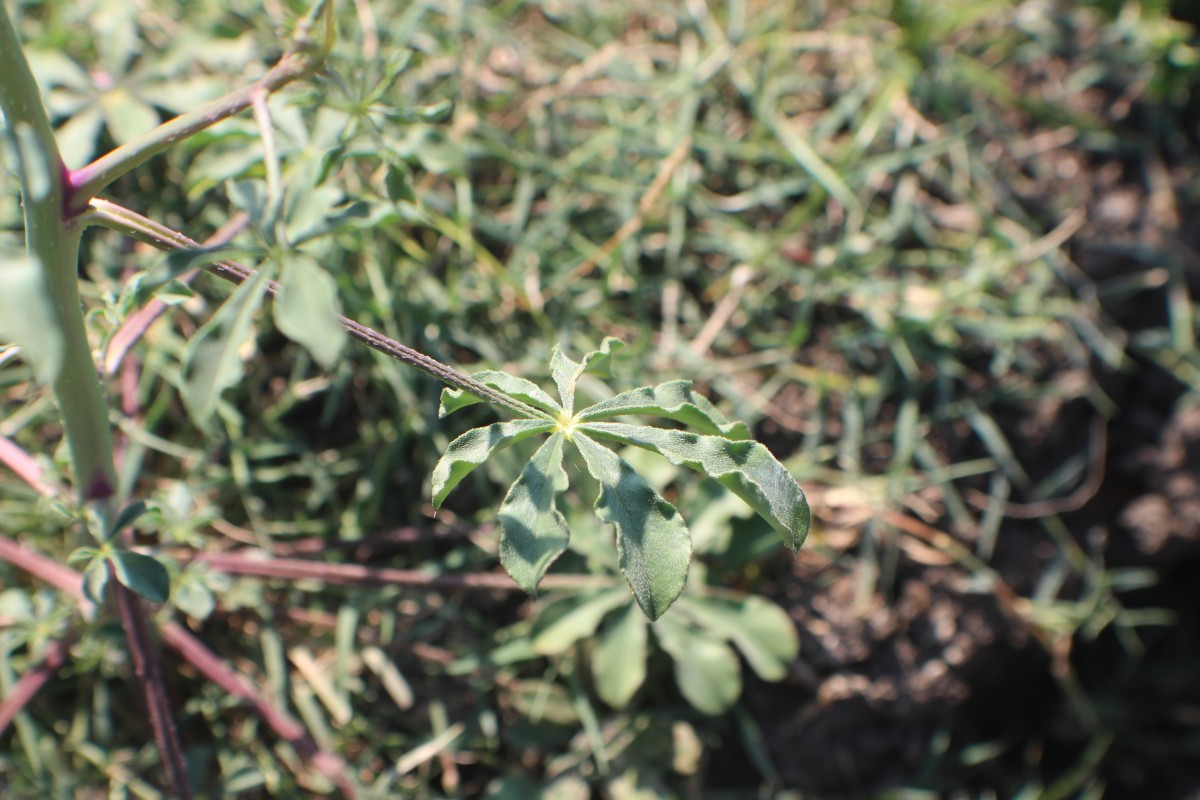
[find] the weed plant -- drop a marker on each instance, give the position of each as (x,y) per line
(830,223)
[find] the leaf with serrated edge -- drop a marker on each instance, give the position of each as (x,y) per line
(527,392)
(476,446)
(706,669)
(619,657)
(675,400)
(745,468)
(533,532)
(653,544)
(554,633)
(566,372)
(757,627)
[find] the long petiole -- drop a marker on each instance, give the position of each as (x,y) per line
(121,219)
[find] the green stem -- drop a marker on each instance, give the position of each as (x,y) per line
(54,241)
(121,219)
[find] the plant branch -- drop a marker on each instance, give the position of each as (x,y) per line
(134,326)
(32,681)
(87,181)
(21,463)
(130,223)
(19,94)
(174,636)
(234,683)
(52,572)
(150,679)
(299,569)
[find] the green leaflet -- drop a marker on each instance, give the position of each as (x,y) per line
(653,543)
(306,310)
(533,531)
(746,468)
(127,115)
(761,630)
(27,315)
(619,657)
(477,445)
(143,575)
(570,619)
(675,400)
(518,388)
(706,669)
(213,352)
(566,372)
(95,580)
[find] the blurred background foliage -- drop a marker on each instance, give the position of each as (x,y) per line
(935,253)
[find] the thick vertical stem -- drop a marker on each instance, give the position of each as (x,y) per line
(53,240)
(55,243)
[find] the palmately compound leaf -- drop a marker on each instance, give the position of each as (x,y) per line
(619,657)
(527,392)
(746,468)
(653,543)
(566,372)
(533,532)
(756,626)
(706,669)
(675,400)
(477,445)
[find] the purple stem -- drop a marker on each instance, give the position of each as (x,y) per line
(32,681)
(212,667)
(149,675)
(175,636)
(84,183)
(25,467)
(298,569)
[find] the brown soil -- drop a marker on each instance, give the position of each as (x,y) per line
(901,671)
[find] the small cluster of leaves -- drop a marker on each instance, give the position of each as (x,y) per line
(700,638)
(653,544)
(142,574)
